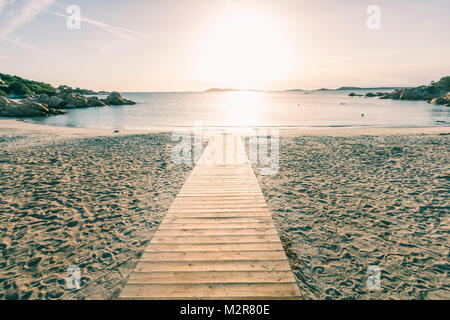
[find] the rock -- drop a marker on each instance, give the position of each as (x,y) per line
(55,102)
(352,94)
(43,98)
(444,100)
(76,100)
(95,102)
(370,95)
(436,93)
(25,108)
(115,99)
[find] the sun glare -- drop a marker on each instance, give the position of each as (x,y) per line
(244,50)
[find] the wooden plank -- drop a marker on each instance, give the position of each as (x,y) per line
(208,291)
(218,232)
(217,210)
(174,277)
(214,255)
(216,241)
(218,214)
(216,220)
(216,226)
(213,239)
(213,265)
(185,247)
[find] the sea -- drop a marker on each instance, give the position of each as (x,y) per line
(284,109)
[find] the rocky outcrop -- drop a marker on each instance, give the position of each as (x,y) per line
(444,100)
(436,93)
(95,102)
(25,108)
(43,105)
(116,99)
(55,102)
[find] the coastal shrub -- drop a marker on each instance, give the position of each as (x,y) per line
(22,86)
(444,83)
(19,88)
(2,93)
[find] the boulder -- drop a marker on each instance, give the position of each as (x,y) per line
(95,102)
(115,99)
(370,95)
(444,100)
(25,108)
(43,98)
(55,102)
(76,101)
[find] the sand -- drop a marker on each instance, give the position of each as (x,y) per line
(342,200)
(93,202)
(342,204)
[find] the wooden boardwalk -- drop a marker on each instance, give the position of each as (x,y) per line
(217,240)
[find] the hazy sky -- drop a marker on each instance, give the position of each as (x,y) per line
(178,45)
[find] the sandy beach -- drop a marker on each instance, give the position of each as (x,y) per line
(342,200)
(343,203)
(73,199)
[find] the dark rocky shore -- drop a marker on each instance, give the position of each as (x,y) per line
(42,99)
(44,105)
(437,93)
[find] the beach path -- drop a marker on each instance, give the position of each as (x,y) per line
(218,239)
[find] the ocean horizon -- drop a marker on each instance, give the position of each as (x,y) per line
(275,109)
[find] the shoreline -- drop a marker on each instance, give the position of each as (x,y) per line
(18,126)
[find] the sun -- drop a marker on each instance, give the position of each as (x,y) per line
(244,50)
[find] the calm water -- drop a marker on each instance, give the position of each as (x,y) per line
(274,109)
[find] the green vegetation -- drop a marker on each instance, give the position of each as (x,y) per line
(66,89)
(443,84)
(2,93)
(22,87)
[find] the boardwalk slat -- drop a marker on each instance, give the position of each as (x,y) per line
(213,255)
(213,265)
(184,247)
(217,232)
(207,291)
(216,241)
(173,277)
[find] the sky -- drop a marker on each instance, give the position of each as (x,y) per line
(190,45)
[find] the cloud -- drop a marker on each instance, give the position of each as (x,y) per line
(30,9)
(16,42)
(25,15)
(125,34)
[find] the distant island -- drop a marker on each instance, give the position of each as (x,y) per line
(221,89)
(42,99)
